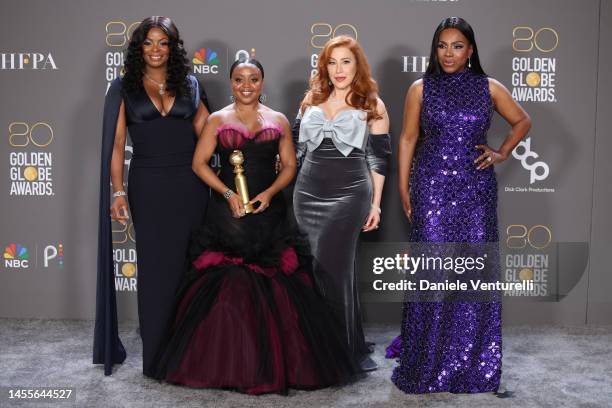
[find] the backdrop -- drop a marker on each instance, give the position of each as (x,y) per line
(57,59)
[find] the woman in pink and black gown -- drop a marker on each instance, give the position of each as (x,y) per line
(248,317)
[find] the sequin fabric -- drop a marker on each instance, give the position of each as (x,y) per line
(452,346)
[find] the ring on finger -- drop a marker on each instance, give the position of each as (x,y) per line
(489,159)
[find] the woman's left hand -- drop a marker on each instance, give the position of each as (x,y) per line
(263,199)
(372,221)
(488,158)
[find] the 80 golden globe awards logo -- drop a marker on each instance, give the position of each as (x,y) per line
(527,258)
(124,240)
(30,161)
(323,32)
(534,77)
(117,38)
(124,257)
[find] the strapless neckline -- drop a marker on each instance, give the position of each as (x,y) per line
(235,135)
(338,114)
(245,132)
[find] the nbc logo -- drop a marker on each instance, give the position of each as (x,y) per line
(16,256)
(205,61)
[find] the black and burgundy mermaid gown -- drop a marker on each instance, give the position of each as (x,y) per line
(248,317)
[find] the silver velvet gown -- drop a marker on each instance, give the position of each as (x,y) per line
(332,199)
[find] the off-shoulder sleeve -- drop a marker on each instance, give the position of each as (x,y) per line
(300,148)
(378,152)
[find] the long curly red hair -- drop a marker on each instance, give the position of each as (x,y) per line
(364,89)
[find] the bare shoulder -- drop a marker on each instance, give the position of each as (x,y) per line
(496,87)
(218,117)
(381,109)
(380,124)
(277,117)
(418,83)
(416,87)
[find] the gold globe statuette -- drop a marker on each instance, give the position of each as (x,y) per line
(236,159)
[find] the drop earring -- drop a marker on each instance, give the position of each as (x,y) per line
(232,98)
(469,64)
(262,98)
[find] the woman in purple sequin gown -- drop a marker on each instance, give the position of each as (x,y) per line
(449,193)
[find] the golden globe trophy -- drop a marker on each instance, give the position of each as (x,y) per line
(236,159)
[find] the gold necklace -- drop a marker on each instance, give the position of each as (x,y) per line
(161,85)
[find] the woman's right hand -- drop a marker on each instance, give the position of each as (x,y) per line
(405,197)
(119,210)
(236,206)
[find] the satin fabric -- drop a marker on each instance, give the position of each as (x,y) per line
(164,151)
(347,130)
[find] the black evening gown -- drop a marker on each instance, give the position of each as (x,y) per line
(248,317)
(167,201)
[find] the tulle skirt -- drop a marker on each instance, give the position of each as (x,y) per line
(251,320)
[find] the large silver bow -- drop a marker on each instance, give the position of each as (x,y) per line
(347,130)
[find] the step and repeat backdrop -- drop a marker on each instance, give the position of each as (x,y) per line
(58,58)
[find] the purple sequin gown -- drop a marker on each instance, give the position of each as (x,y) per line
(451,346)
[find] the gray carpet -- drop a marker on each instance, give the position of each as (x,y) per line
(543,367)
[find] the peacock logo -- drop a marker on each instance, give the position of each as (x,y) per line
(205,55)
(16,256)
(205,61)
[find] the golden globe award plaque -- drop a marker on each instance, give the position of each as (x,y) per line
(236,159)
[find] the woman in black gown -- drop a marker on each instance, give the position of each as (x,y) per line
(248,317)
(163,109)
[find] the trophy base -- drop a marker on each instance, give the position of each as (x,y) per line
(248,208)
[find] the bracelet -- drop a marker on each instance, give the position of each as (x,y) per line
(228,194)
(377,208)
(120,193)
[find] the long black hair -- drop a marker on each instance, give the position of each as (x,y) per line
(178,65)
(466,29)
(250,61)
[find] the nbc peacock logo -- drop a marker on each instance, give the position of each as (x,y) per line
(16,256)
(205,61)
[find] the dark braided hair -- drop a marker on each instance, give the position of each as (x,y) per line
(178,64)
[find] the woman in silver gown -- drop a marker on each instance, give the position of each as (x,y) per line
(343,143)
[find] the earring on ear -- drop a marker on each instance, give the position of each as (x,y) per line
(469,64)
(329,82)
(262,98)
(232,98)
